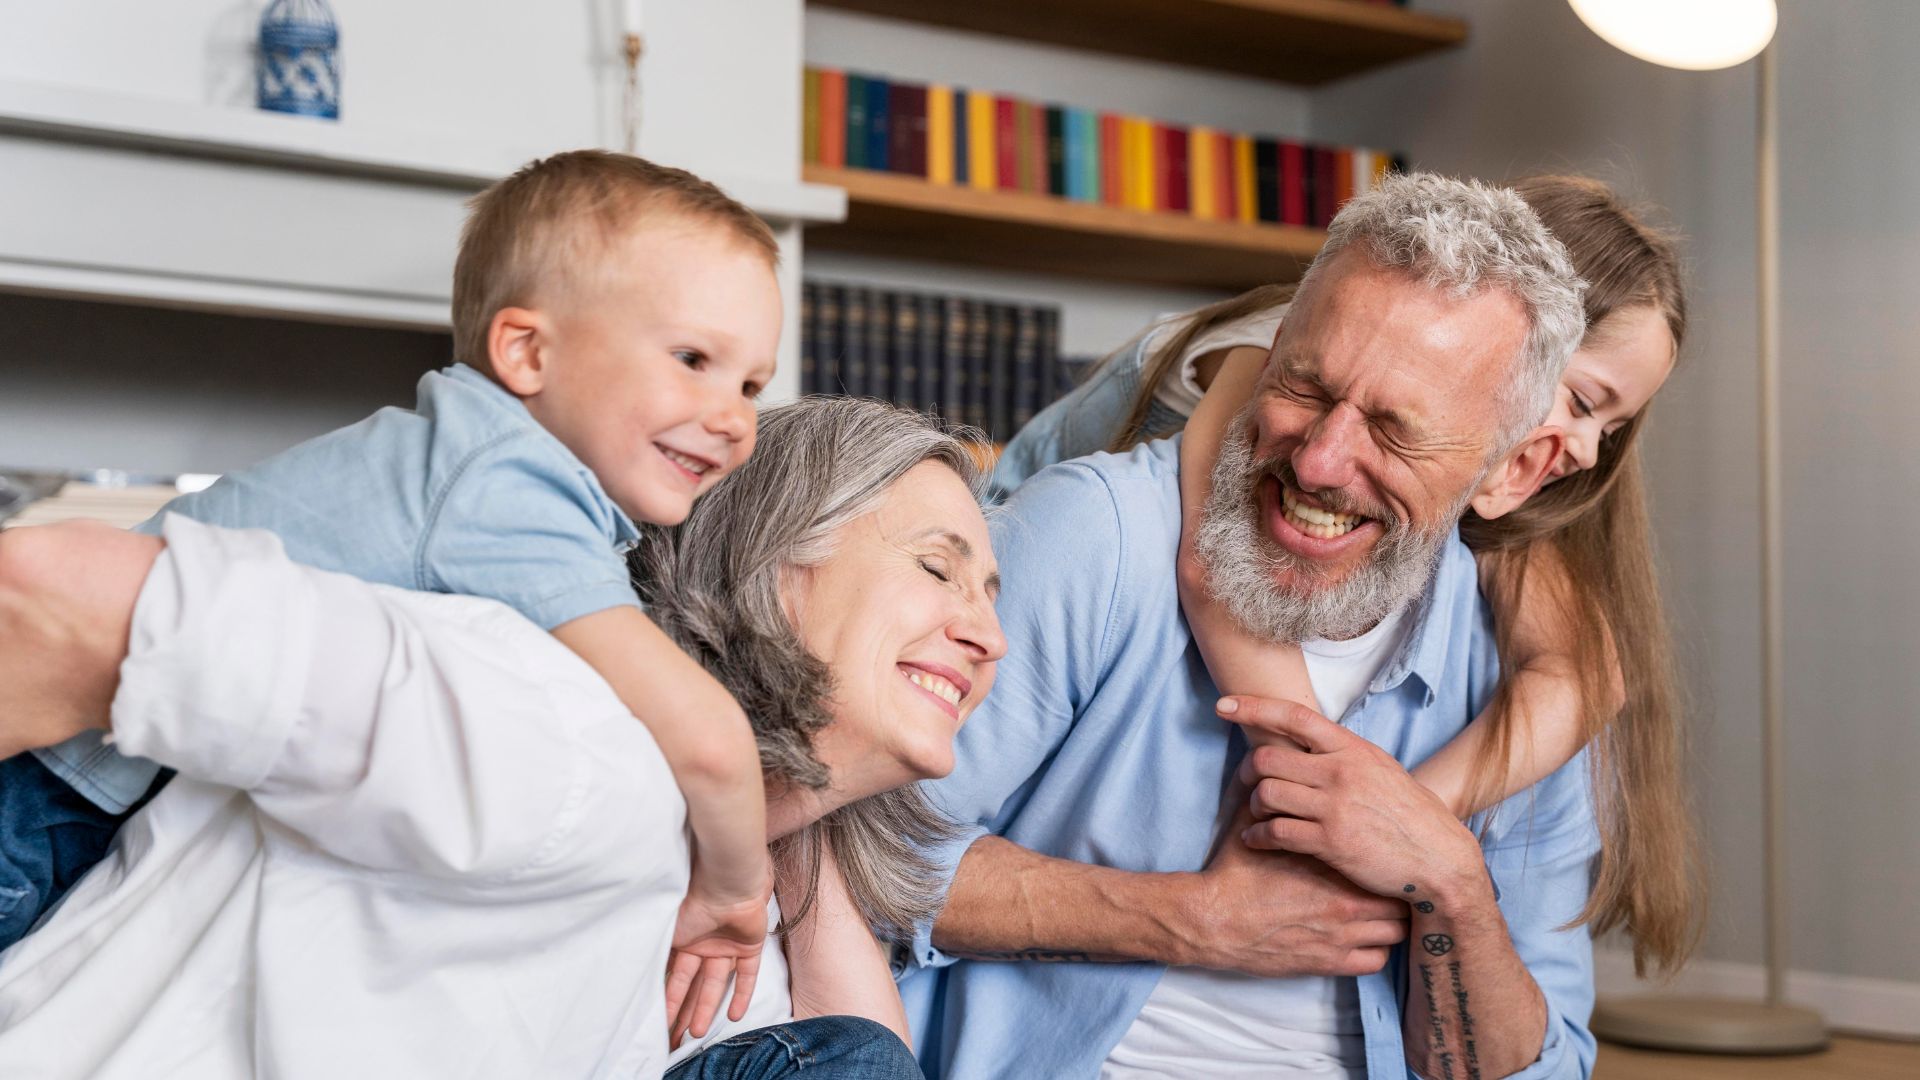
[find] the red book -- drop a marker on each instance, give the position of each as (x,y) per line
(1293,183)
(1224,188)
(1179,170)
(1325,163)
(1110,165)
(914,123)
(1006,142)
(833,119)
(1035,152)
(1342,178)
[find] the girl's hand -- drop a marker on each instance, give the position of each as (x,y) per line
(714,939)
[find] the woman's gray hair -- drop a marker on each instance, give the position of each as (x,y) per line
(1461,236)
(715,583)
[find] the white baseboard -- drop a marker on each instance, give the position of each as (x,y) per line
(1850,1003)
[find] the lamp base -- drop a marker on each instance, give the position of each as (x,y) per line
(1710,1025)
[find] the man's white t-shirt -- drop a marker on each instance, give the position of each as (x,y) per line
(1222,1024)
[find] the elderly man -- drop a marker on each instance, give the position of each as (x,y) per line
(1088,932)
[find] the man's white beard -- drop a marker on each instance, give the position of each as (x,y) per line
(1243,563)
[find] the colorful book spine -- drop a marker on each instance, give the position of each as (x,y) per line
(1178,170)
(1293,183)
(940,135)
(857,122)
(1224,176)
(1309,182)
(1056,121)
(1113,183)
(1206,193)
(879,124)
(900,128)
(1246,181)
(1326,191)
(1036,147)
(833,112)
(983,172)
(810,113)
(1266,167)
(1006,138)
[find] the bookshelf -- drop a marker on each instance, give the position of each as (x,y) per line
(1305,42)
(905,216)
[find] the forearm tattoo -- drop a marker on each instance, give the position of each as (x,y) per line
(1436,1016)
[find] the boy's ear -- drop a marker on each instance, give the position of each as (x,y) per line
(516,340)
(1519,474)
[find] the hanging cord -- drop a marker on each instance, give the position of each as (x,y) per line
(630,106)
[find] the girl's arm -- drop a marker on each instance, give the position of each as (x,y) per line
(1239,662)
(837,966)
(1543,697)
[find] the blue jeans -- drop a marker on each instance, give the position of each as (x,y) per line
(824,1048)
(50,835)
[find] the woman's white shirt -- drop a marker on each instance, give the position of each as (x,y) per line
(412,835)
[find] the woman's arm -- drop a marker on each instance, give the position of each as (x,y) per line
(1239,662)
(1543,700)
(837,966)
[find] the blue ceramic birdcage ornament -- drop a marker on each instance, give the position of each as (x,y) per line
(300,59)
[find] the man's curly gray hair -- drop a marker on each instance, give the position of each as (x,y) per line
(715,583)
(1462,236)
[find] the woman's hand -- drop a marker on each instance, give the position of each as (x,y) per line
(66,605)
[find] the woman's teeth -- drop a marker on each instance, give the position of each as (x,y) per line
(1315,522)
(692,465)
(934,685)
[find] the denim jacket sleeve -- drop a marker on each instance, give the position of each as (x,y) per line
(1061,548)
(1081,423)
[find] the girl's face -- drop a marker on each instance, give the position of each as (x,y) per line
(1616,371)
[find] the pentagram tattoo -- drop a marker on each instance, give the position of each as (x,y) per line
(1425,907)
(1437,944)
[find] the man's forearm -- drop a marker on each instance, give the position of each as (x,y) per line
(1009,903)
(1473,1010)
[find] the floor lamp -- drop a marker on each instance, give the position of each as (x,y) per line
(1702,35)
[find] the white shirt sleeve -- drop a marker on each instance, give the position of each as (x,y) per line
(440,736)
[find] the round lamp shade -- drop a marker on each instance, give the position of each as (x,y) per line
(1697,35)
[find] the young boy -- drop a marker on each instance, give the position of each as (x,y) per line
(614,320)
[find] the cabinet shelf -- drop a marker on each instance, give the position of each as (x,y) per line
(1306,42)
(907,217)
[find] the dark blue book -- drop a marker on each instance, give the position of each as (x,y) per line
(809,336)
(974,412)
(1056,151)
(926,347)
(951,402)
(856,121)
(879,124)
(1002,329)
(853,342)
(879,345)
(833,305)
(1049,356)
(962,164)
(904,355)
(1026,369)
(1266,179)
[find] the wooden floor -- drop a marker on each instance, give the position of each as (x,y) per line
(1847,1059)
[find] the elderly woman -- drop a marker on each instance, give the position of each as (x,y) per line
(414,835)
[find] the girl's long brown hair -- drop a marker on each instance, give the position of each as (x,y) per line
(1590,532)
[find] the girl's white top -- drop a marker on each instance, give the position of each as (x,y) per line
(411,835)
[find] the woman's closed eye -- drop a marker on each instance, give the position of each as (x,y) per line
(936,570)
(1581,406)
(693,358)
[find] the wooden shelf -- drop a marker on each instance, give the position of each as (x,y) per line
(1307,42)
(907,217)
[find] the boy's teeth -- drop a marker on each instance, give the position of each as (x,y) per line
(936,685)
(1315,522)
(697,468)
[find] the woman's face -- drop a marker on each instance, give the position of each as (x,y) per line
(902,615)
(1617,370)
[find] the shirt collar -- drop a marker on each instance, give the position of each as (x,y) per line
(1423,653)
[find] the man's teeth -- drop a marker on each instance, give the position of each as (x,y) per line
(692,465)
(935,685)
(1315,522)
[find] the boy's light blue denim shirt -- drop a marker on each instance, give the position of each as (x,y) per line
(464,493)
(1099,744)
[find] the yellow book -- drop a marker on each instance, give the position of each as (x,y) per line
(983,164)
(1244,206)
(1382,165)
(940,134)
(1145,159)
(1200,178)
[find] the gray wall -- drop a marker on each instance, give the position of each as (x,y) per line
(1535,90)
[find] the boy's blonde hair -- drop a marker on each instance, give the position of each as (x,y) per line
(555,217)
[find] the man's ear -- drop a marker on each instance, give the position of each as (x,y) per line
(1519,474)
(516,341)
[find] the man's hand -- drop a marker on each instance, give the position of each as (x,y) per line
(66,606)
(1345,801)
(1280,915)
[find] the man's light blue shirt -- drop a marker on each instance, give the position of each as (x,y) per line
(1099,744)
(464,493)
